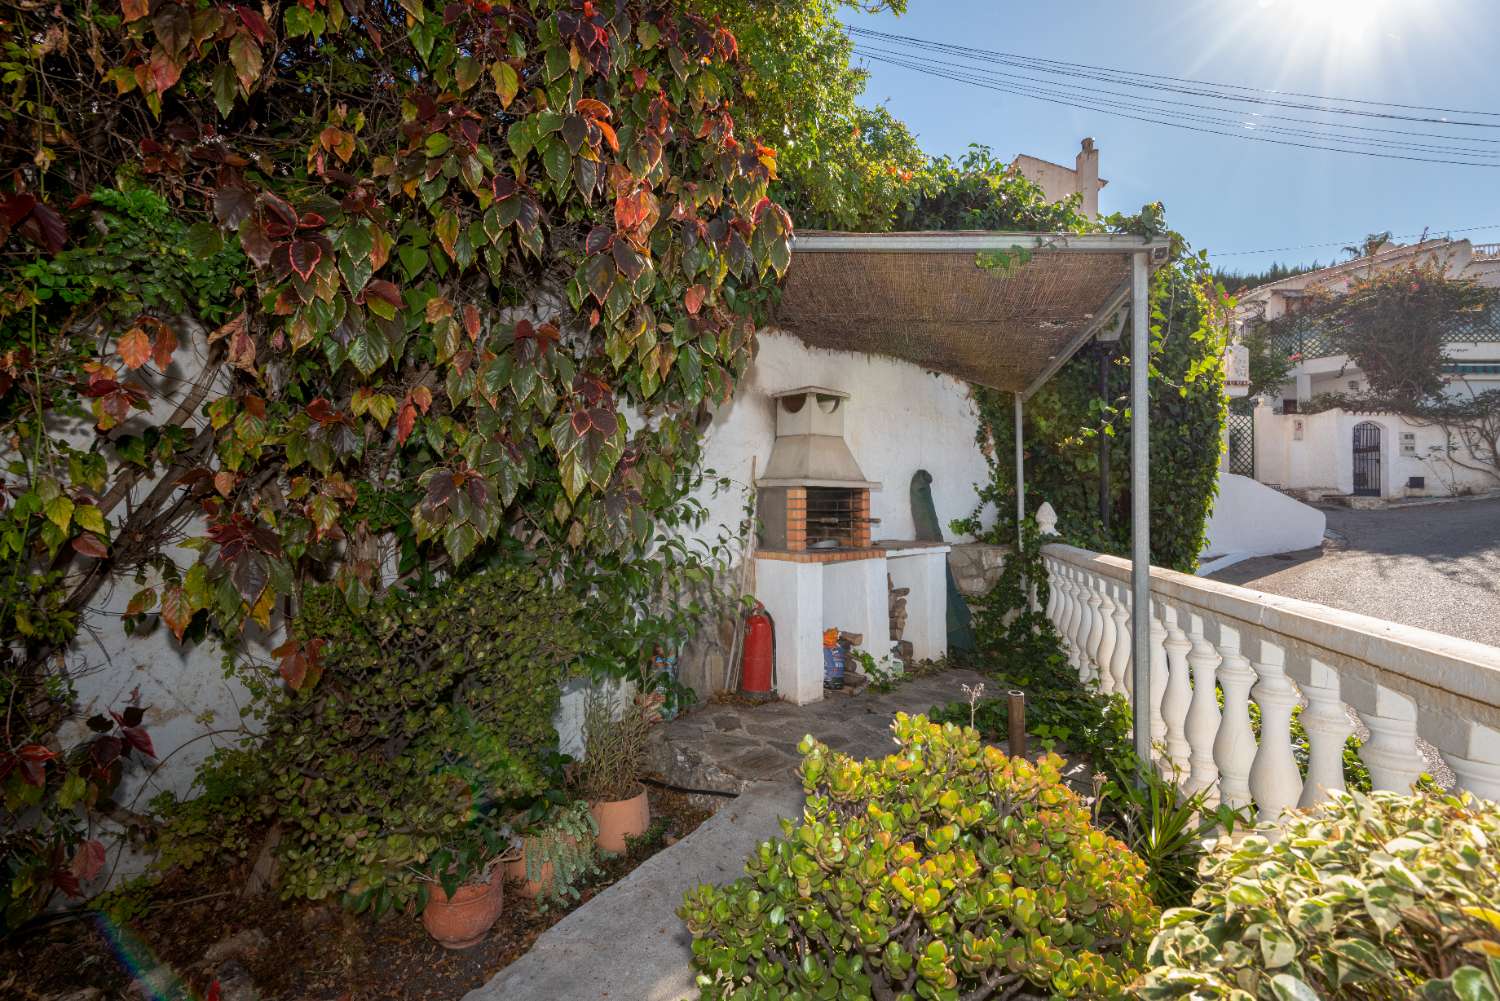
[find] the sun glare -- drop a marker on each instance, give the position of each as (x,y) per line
(1336,21)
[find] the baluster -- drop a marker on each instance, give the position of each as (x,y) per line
(1095,631)
(1328,727)
(1052,589)
(1068,613)
(1178,695)
(1203,713)
(1275,783)
(1119,664)
(1158,675)
(1106,653)
(1472,750)
(1391,753)
(1234,746)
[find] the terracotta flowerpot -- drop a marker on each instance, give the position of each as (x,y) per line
(514,871)
(619,818)
(462,920)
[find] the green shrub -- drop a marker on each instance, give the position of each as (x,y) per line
(432,717)
(1368,897)
(945,870)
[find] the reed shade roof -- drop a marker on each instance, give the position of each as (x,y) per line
(923,298)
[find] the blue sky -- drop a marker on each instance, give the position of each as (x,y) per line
(1222,193)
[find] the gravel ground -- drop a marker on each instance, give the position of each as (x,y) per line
(1436,566)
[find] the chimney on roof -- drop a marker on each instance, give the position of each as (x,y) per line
(1086,167)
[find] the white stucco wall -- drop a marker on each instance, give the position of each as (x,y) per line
(1323,457)
(1251,518)
(900,419)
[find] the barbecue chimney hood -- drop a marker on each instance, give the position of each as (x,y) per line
(809,450)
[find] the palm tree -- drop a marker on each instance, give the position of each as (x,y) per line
(1368,246)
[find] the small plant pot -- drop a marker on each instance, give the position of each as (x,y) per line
(621,818)
(462,920)
(514,871)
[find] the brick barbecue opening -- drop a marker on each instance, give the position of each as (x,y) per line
(813,497)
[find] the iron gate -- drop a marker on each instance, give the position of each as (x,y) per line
(1241,425)
(1367,460)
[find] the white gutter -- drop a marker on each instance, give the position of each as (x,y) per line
(957,243)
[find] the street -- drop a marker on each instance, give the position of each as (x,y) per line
(1436,566)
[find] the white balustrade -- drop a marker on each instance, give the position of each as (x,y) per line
(1402,683)
(1178,695)
(1203,712)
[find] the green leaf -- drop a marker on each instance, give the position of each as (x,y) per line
(59,511)
(90,518)
(556,159)
(1473,984)
(1288,988)
(369,351)
(507,82)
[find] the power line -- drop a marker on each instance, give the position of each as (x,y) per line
(922,63)
(1037,95)
(1123,76)
(1346,243)
(1175,104)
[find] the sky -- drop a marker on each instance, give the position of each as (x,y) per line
(1226,194)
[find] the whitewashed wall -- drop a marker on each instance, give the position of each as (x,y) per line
(900,418)
(1323,457)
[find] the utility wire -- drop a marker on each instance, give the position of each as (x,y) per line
(1197,87)
(1346,243)
(1037,95)
(922,63)
(1255,116)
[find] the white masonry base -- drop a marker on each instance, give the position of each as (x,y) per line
(805,598)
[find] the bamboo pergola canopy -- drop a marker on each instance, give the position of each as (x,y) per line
(923,298)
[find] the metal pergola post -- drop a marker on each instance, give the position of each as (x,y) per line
(1020,480)
(1140,504)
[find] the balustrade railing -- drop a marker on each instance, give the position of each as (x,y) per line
(1279,654)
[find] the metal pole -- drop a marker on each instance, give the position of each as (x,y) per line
(1020,477)
(1104,442)
(1140,505)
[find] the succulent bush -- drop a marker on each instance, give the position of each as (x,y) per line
(946,870)
(1369,897)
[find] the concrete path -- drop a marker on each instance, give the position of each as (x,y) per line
(627,944)
(1434,566)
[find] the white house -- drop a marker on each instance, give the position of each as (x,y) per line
(1338,452)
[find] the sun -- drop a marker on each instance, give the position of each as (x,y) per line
(1337,24)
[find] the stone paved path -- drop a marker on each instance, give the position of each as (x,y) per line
(725,747)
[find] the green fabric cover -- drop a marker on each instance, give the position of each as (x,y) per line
(928,529)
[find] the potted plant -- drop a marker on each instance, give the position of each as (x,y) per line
(466,890)
(552,852)
(614,748)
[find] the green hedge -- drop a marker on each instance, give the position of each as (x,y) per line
(946,870)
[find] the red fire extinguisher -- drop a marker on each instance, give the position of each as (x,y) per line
(758,662)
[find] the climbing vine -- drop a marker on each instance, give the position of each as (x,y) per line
(1072,421)
(355,292)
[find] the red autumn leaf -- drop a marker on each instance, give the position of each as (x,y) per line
(134,348)
(228,329)
(162,346)
(242,351)
(134,10)
(33,759)
(89,544)
(224,482)
(422,397)
(305,255)
(176,612)
(383,290)
(323,412)
(405,421)
(609,135)
(139,739)
(598,240)
(88,861)
(693,299)
(471,322)
(213,992)
(592,108)
(257,25)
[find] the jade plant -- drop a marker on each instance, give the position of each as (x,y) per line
(1367,897)
(946,871)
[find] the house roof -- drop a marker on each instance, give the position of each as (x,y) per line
(924,298)
(1296,284)
(1049,163)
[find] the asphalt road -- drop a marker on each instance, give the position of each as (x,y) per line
(1436,566)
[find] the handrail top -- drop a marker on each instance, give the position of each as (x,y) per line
(1461,667)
